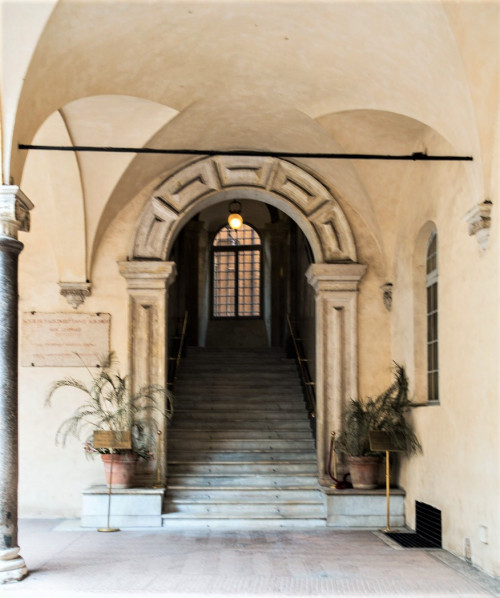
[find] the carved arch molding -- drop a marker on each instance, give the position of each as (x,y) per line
(311,204)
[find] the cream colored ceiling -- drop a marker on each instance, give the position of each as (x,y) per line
(261,57)
(285,76)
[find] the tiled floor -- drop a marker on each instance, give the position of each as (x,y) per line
(233,563)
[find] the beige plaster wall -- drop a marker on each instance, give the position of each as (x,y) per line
(51,477)
(459,472)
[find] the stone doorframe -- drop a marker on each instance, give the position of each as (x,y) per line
(147,286)
(336,288)
(335,276)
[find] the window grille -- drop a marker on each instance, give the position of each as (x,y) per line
(432,320)
(236,271)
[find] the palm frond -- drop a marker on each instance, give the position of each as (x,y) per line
(386,413)
(110,405)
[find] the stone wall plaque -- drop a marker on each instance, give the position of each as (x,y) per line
(64,339)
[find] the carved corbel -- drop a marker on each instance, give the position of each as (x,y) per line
(479,222)
(75,292)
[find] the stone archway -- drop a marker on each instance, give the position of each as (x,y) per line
(335,275)
(284,184)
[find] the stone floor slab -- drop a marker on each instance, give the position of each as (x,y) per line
(221,563)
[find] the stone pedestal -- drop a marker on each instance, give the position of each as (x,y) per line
(14,216)
(363,509)
(130,507)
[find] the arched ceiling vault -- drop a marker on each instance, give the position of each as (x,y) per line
(398,57)
(328,76)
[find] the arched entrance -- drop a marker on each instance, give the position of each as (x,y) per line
(334,275)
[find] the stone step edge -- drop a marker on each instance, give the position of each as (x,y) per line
(273,517)
(304,462)
(241,488)
(250,503)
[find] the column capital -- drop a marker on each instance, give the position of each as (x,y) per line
(335,277)
(14,211)
(148,274)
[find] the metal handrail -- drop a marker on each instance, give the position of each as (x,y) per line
(177,358)
(307,382)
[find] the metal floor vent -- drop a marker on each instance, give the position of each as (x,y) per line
(428,529)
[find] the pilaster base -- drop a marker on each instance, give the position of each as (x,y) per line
(12,566)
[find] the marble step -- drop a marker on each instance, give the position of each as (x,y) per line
(233,426)
(286,403)
(195,443)
(201,433)
(243,480)
(237,415)
(248,407)
(203,388)
(235,466)
(232,367)
(240,456)
(177,468)
(300,494)
(247,510)
(250,398)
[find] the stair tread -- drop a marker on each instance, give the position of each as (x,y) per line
(250,397)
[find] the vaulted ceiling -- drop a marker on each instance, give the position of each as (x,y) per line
(388,77)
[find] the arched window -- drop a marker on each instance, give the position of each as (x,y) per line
(236,273)
(432,319)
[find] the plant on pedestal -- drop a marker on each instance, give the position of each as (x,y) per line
(109,404)
(385,413)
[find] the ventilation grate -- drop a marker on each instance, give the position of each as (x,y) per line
(428,529)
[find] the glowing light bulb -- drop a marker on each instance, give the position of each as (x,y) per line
(235,221)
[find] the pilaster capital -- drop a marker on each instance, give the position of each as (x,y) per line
(14,211)
(152,275)
(335,277)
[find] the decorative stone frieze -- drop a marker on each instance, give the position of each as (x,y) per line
(14,217)
(479,222)
(173,199)
(336,290)
(75,292)
(387,295)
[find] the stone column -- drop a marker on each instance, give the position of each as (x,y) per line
(14,217)
(148,283)
(336,288)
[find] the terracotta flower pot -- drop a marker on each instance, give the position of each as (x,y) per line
(123,469)
(364,472)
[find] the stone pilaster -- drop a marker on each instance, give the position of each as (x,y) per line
(14,217)
(147,283)
(336,289)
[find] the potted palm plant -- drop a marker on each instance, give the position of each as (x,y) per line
(108,404)
(385,413)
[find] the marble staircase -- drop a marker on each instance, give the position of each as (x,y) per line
(240,446)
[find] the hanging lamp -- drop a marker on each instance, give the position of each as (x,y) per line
(235,219)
